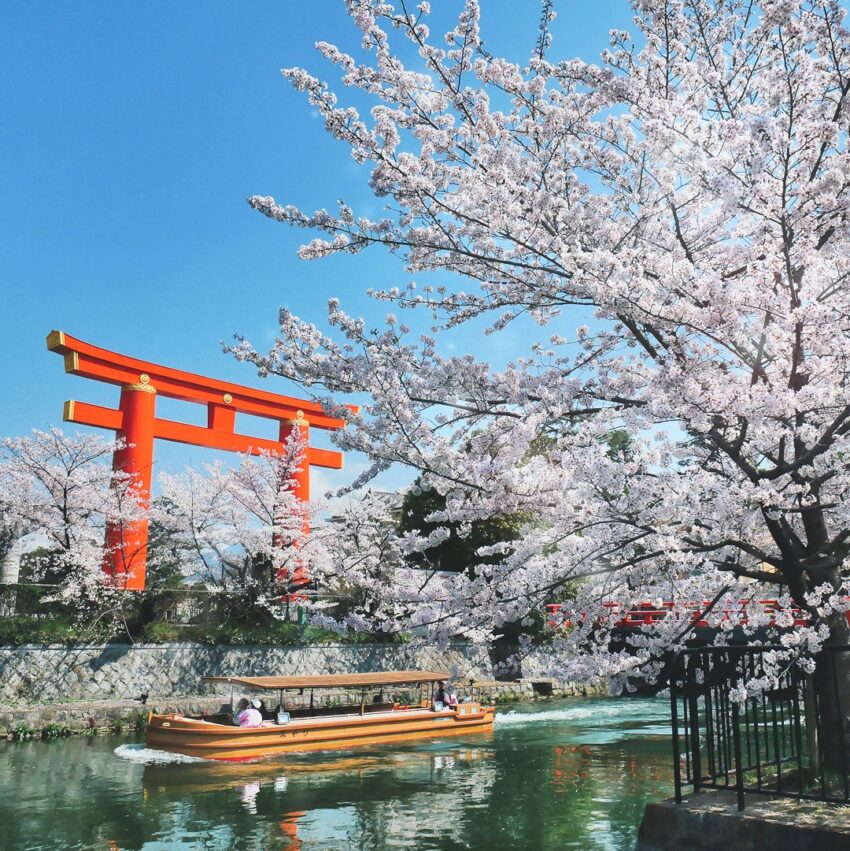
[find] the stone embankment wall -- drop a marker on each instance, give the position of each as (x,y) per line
(97,687)
(711,821)
(129,716)
(49,674)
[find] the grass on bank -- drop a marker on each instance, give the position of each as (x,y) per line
(135,722)
(63,629)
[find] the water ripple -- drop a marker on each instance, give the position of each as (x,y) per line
(150,756)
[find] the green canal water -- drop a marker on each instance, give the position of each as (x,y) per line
(561,774)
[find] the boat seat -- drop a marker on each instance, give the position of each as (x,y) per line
(324,711)
(306,712)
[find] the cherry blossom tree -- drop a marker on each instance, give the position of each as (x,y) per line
(12,541)
(13,533)
(675,215)
(242,531)
(62,491)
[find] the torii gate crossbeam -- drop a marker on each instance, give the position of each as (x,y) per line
(136,423)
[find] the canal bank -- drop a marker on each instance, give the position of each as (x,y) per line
(24,722)
(57,690)
(711,821)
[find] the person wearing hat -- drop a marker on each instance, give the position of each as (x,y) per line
(248,714)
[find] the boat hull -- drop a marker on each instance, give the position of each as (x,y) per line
(198,738)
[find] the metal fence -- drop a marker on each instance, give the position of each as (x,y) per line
(790,740)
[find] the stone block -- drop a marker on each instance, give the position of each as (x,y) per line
(711,820)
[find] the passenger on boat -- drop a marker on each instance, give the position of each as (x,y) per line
(440,696)
(451,698)
(248,714)
(265,712)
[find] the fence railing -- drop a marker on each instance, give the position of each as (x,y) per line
(789,740)
(621,616)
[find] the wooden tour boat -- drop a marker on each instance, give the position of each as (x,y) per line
(320,728)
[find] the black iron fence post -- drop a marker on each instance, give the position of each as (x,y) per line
(739,768)
(674,720)
(696,762)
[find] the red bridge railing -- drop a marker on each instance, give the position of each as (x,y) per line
(621,616)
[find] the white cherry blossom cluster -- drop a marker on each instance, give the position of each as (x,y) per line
(677,213)
(243,529)
(61,491)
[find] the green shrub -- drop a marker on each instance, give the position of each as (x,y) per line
(137,720)
(162,632)
(277,632)
(22,733)
(55,731)
(62,629)
(57,629)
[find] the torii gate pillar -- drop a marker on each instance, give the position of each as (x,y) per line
(127,546)
(135,421)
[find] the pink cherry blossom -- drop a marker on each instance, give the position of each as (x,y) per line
(678,212)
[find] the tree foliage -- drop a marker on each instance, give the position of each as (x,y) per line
(458,552)
(240,532)
(676,215)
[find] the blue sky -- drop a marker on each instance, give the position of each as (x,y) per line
(130,136)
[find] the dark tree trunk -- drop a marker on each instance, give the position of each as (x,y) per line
(832,688)
(503,657)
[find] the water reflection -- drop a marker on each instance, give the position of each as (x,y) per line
(570,775)
(386,798)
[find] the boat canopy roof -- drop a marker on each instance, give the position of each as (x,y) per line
(380,678)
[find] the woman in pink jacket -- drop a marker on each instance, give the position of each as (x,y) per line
(248,714)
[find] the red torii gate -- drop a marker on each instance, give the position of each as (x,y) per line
(135,422)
